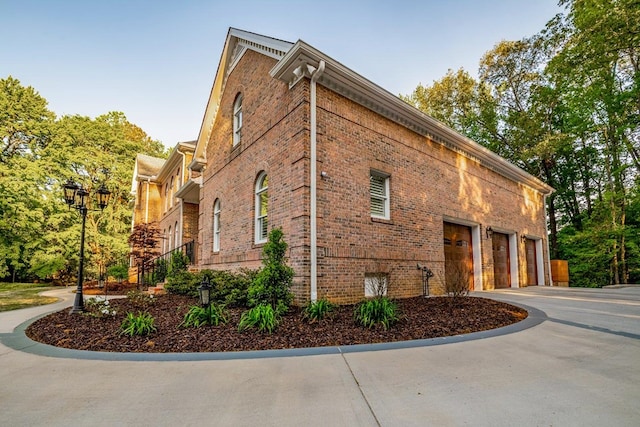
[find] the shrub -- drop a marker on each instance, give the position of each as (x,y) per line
(160,270)
(371,312)
(317,310)
(457,277)
(183,283)
(119,272)
(99,308)
(262,316)
(140,299)
(140,324)
(230,289)
(198,316)
(178,263)
(273,282)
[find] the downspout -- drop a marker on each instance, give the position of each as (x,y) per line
(146,204)
(182,174)
(314,217)
(544,200)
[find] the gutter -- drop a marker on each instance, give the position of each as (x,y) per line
(314,183)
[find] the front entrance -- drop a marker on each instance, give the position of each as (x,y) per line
(532,270)
(501,261)
(458,254)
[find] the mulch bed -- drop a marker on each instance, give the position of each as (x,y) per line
(421,318)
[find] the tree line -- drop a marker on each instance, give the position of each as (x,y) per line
(564,105)
(39,234)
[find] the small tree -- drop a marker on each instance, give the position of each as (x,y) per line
(119,272)
(273,282)
(456,281)
(144,242)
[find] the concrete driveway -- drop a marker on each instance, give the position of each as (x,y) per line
(578,365)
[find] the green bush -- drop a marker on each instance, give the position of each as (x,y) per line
(178,263)
(263,317)
(198,316)
(119,272)
(183,283)
(371,312)
(318,310)
(160,269)
(140,324)
(140,299)
(227,288)
(273,282)
(98,307)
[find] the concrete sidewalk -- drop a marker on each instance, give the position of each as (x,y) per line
(579,366)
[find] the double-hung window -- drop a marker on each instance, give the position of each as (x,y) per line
(262,199)
(216,226)
(379,195)
(237,120)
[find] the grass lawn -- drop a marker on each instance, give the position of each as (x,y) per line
(21,295)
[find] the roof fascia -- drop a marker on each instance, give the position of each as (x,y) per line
(295,65)
(236,44)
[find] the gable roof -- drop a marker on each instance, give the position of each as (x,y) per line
(236,44)
(294,58)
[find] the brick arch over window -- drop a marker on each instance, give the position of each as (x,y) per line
(237,119)
(261,207)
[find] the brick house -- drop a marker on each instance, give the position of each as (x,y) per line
(363,185)
(165,194)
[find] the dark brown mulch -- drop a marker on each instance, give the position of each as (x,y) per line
(421,318)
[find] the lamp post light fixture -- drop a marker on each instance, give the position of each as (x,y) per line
(76,196)
(205,292)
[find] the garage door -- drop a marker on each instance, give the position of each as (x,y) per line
(458,253)
(532,271)
(501,262)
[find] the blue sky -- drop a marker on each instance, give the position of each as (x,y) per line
(156,60)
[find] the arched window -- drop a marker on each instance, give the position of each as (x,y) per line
(164,241)
(237,119)
(176,238)
(170,240)
(216,225)
(171,193)
(262,199)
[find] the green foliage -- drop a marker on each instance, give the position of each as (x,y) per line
(198,316)
(120,272)
(39,235)
(371,312)
(140,299)
(318,310)
(183,283)
(160,270)
(272,283)
(99,307)
(262,317)
(138,324)
(178,263)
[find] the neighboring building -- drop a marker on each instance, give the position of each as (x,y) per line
(163,191)
(362,184)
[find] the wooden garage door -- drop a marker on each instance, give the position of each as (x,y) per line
(501,261)
(458,252)
(532,270)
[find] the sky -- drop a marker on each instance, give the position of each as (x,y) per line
(155,60)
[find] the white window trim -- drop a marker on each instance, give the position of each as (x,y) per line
(237,120)
(385,197)
(216,226)
(259,190)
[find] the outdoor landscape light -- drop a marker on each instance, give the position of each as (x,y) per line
(205,291)
(489,232)
(76,196)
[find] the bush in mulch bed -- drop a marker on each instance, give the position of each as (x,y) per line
(419,318)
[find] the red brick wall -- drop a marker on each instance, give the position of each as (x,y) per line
(428,185)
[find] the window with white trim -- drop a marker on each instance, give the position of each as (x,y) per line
(262,200)
(379,195)
(176,239)
(237,119)
(216,226)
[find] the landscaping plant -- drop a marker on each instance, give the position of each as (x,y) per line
(137,324)
(318,310)
(379,310)
(99,307)
(273,282)
(140,299)
(197,316)
(262,316)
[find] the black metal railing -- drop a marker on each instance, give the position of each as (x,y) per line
(155,270)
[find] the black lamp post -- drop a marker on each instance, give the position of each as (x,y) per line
(76,196)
